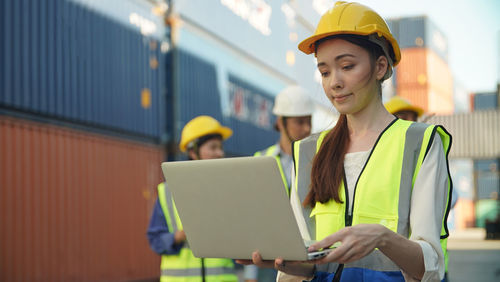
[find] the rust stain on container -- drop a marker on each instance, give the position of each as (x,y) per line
(72,205)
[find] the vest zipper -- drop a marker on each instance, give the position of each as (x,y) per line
(347,216)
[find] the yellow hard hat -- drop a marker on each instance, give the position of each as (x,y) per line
(353,18)
(202,126)
(398,104)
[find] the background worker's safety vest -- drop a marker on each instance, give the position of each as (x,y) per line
(273,151)
(185,267)
(383,190)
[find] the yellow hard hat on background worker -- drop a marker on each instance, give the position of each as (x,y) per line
(199,127)
(398,104)
(354,18)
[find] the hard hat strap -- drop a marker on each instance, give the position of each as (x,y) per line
(382,42)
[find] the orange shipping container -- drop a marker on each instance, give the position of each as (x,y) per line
(464,213)
(416,95)
(74,206)
(423,72)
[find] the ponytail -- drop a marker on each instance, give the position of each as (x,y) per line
(328,166)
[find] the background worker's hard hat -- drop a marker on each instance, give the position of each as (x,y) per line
(398,104)
(353,18)
(202,126)
(293,101)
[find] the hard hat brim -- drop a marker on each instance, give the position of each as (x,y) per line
(415,109)
(308,45)
(225,132)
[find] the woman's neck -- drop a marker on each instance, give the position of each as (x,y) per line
(366,125)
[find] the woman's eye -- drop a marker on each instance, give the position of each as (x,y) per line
(324,74)
(348,67)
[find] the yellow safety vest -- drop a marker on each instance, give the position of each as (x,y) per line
(185,267)
(273,152)
(383,190)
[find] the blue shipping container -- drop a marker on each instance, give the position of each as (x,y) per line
(418,32)
(249,114)
(485,101)
(62,60)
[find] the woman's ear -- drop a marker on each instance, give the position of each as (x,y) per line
(192,154)
(381,67)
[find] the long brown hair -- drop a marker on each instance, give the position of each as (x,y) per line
(327,170)
(328,165)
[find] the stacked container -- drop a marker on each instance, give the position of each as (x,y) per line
(82,123)
(423,75)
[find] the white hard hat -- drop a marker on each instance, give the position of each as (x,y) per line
(293,101)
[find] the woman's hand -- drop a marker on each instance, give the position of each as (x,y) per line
(291,267)
(179,236)
(357,242)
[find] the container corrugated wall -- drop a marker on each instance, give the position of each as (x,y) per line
(425,80)
(65,61)
(74,206)
(200,95)
(475,135)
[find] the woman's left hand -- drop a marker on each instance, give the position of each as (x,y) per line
(298,268)
(357,242)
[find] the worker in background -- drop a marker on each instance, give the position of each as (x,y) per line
(403,109)
(293,109)
(201,138)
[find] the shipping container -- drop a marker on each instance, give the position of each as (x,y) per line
(485,101)
(462,174)
(415,95)
(75,206)
(412,70)
(464,214)
(65,60)
(487,178)
(247,111)
(487,210)
(428,78)
(475,135)
(419,32)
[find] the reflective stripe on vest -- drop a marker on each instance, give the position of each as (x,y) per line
(272,151)
(185,266)
(403,144)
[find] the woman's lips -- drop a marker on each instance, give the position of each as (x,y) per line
(340,98)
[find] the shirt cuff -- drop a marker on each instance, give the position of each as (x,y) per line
(434,271)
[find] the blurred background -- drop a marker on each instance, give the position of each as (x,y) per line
(94,93)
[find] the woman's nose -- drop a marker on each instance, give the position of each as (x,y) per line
(336,83)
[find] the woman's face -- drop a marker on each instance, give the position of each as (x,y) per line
(348,76)
(297,127)
(211,149)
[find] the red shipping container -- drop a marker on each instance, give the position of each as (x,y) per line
(74,206)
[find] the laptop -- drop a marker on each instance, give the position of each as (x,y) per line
(232,207)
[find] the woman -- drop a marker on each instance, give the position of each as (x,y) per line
(375,186)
